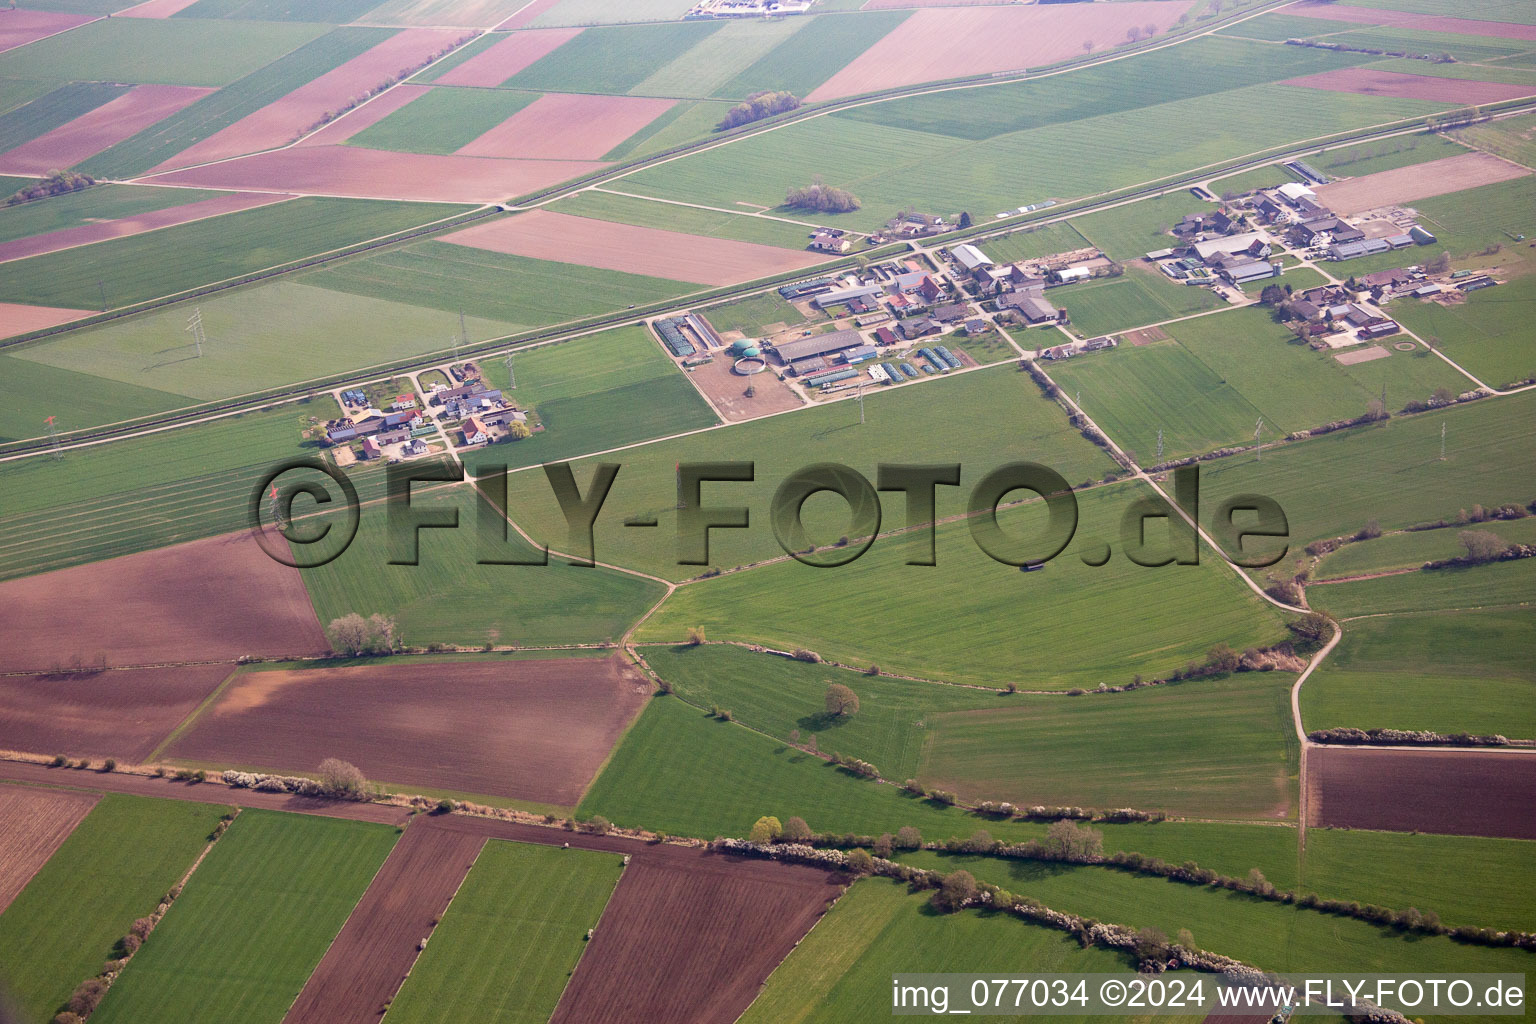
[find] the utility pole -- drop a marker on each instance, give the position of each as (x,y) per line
(53,438)
(1159,446)
(861,402)
(1258,429)
(511,377)
(195,327)
(1442,438)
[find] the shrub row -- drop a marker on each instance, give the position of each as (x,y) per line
(1402,736)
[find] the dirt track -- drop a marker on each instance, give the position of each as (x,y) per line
(1467,793)
(534,730)
(210,600)
(376,948)
(33,824)
(123,713)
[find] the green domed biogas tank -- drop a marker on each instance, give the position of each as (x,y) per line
(750,352)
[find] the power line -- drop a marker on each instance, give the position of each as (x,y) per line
(195,326)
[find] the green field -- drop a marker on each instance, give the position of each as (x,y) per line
(511,936)
(149,51)
(1269,935)
(1477,10)
(592,394)
(442,120)
(1280,27)
(280,884)
(688,219)
(841,972)
(1466,880)
(43,391)
(147,492)
(1210,749)
(611,60)
(1385,154)
(333,12)
(514,290)
(1136,299)
(1134,391)
(1247,181)
(1441,672)
(156,263)
(603,12)
(684,122)
(973,415)
(716,58)
(449,598)
(814,53)
(754,315)
(1136,82)
(1130,232)
(264,83)
(27,121)
(1034,243)
(1416,41)
(74,209)
(259,337)
(1393,469)
(1216,749)
(113,869)
(1411,550)
(1483,586)
(971,619)
(1489,333)
(1513,138)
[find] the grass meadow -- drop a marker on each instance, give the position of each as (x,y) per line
(122,271)
(113,869)
(1511,138)
(976,416)
(1489,333)
(970,619)
(511,937)
(1466,671)
(1136,299)
(84,399)
(280,884)
(1411,550)
(1483,586)
(752,316)
(1034,243)
(1130,232)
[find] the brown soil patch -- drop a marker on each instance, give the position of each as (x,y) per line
(366,116)
(377,946)
(19,27)
(19,319)
(726,390)
(541,235)
(1465,793)
(379,174)
(122,713)
(938,43)
(1363,354)
(155,9)
(529,11)
(1370,82)
(33,824)
(210,600)
(107,125)
(1146,336)
(280,122)
(565,126)
(1422,22)
(201,793)
(491,67)
(1419,181)
(103,230)
(692,940)
(534,730)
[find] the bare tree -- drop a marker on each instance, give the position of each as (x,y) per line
(841,701)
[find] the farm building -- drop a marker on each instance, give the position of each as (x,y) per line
(857,354)
(1250,242)
(1353,250)
(371,449)
(503,417)
(1422,235)
(970,257)
(474,432)
(1032,308)
(1095,344)
(817,345)
(975,327)
(829,241)
(951,312)
(801,289)
(1378,327)
(1059,352)
(843,296)
(918,327)
(1294,191)
(885,336)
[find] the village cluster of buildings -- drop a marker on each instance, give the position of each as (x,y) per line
(707,9)
(478,414)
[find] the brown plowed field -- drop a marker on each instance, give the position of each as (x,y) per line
(534,730)
(121,713)
(33,822)
(379,174)
(280,122)
(210,600)
(19,319)
(366,116)
(1463,793)
(726,390)
(937,43)
(102,230)
(530,10)
(20,27)
(491,67)
(692,941)
(1419,181)
(1422,22)
(564,126)
(377,946)
(107,125)
(155,9)
(200,793)
(598,243)
(1370,82)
